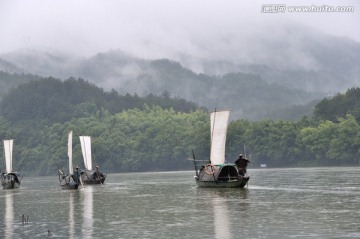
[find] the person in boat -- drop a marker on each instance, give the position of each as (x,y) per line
(97,173)
(76,175)
(242,164)
(97,170)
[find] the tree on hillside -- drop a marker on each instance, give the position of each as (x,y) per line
(339,106)
(51,100)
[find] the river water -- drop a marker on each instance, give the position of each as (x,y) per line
(277,203)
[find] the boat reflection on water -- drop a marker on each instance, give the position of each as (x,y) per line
(222,226)
(9,214)
(71,217)
(88,211)
(229,205)
(81,213)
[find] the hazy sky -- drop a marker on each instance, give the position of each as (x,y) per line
(159,28)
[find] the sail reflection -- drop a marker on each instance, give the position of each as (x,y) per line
(87,227)
(9,215)
(221,217)
(71,217)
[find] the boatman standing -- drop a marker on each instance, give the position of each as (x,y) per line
(241,164)
(76,175)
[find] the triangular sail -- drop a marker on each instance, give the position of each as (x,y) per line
(8,149)
(86,151)
(218,130)
(71,170)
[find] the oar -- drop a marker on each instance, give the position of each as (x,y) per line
(22,163)
(81,181)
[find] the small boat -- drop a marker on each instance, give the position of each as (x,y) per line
(88,175)
(72,180)
(9,179)
(215,172)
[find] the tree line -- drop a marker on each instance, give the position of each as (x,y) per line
(143,136)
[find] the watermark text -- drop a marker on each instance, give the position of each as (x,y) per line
(283,8)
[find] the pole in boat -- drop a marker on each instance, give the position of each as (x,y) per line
(197,174)
(244,150)
(22,163)
(81,181)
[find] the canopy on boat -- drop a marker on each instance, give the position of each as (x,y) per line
(86,151)
(218,129)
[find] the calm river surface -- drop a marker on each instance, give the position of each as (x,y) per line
(278,203)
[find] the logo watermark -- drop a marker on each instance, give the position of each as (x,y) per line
(283,8)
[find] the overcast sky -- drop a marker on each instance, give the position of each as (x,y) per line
(158,28)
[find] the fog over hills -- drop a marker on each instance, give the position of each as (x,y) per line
(293,66)
(293,56)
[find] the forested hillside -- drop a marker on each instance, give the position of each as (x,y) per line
(9,81)
(339,106)
(131,133)
(126,129)
(51,100)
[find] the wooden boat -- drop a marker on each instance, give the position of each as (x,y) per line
(9,179)
(88,175)
(72,180)
(215,172)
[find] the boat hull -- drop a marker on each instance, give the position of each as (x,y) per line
(10,185)
(10,181)
(92,177)
(67,182)
(221,176)
(241,183)
(68,186)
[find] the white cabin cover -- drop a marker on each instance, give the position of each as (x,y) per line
(8,149)
(218,129)
(86,151)
(71,170)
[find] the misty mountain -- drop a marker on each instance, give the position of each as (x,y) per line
(271,75)
(296,58)
(10,81)
(246,94)
(292,56)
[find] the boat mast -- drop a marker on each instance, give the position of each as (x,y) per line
(71,170)
(244,150)
(212,134)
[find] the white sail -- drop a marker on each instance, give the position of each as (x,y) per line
(8,149)
(86,151)
(218,129)
(71,170)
